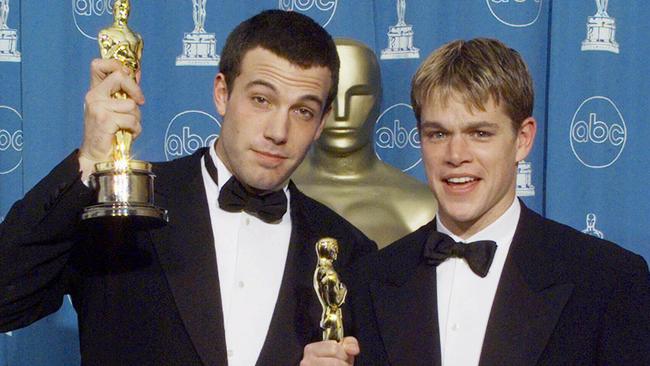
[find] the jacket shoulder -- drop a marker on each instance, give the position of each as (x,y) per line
(396,260)
(179,171)
(583,250)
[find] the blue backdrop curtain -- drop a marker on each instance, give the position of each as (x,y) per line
(588,168)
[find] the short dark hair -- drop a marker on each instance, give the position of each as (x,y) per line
(475,70)
(290,35)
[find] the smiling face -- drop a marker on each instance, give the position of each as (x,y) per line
(272,112)
(471,158)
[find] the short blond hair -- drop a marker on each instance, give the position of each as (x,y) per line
(475,70)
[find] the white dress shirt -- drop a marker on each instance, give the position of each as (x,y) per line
(464,298)
(251,256)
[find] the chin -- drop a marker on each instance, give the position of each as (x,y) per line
(266,183)
(460,213)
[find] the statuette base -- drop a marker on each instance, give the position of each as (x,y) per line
(127,193)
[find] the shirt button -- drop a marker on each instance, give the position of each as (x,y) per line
(230,353)
(454,326)
(240,284)
(247,221)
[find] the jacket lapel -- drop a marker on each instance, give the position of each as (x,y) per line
(529,299)
(297,310)
(404,300)
(185,247)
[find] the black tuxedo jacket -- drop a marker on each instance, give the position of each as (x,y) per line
(151,297)
(564,298)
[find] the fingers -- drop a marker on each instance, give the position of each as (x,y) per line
(100,69)
(117,81)
(110,76)
(351,346)
(109,115)
(331,352)
(105,115)
(326,349)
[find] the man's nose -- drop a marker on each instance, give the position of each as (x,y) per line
(277,127)
(458,151)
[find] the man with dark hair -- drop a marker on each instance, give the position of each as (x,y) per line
(288,36)
(225,281)
(488,281)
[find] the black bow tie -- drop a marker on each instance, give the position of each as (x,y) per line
(269,207)
(234,197)
(478,254)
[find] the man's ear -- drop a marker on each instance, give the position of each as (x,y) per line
(220,93)
(525,138)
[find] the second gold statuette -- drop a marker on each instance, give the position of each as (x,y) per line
(330,290)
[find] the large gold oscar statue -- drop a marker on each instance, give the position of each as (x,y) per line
(342,170)
(124,186)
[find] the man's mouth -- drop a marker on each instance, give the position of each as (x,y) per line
(270,156)
(460,180)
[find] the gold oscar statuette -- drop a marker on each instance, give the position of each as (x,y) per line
(124,186)
(330,290)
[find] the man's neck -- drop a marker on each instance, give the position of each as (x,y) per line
(465,230)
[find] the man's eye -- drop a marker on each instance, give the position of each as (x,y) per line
(305,113)
(435,135)
(260,100)
(482,134)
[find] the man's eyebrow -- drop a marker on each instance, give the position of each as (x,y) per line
(314,98)
(470,125)
(482,124)
(308,97)
(431,124)
(259,82)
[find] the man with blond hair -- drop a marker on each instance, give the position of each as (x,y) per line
(488,281)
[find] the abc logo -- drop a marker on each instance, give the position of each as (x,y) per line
(321,11)
(397,141)
(11,140)
(516,13)
(598,133)
(91,15)
(189,131)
